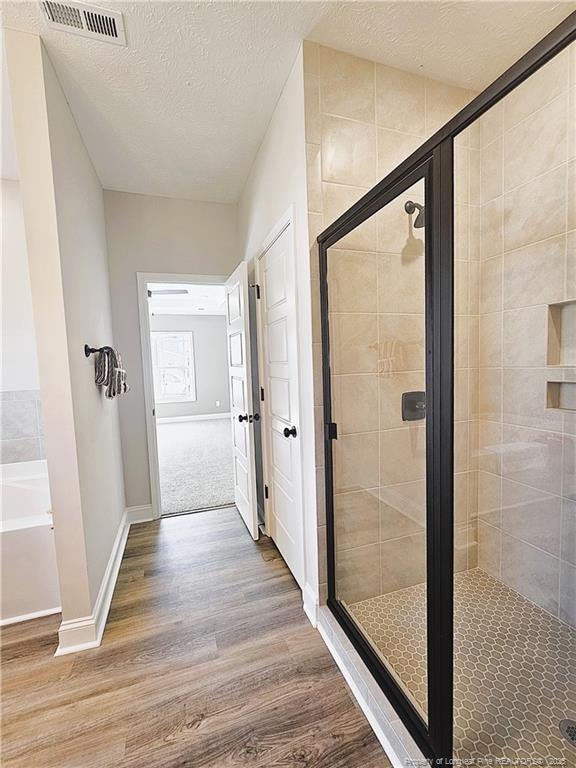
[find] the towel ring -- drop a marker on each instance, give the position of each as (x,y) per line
(88,350)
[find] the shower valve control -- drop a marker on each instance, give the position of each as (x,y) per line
(413,406)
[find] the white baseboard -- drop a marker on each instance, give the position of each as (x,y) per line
(80,634)
(77,635)
(140,514)
(199,417)
(29,616)
(310,604)
(396,760)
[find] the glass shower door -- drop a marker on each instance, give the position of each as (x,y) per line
(379,305)
(448,367)
(376,299)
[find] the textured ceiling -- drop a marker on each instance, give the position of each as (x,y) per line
(463,43)
(180,111)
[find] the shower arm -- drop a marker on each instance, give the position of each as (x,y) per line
(410,207)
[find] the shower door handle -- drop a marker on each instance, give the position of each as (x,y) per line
(413,406)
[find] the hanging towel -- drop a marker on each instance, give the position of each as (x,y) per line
(109,372)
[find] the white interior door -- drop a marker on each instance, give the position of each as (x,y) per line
(241,396)
(280,410)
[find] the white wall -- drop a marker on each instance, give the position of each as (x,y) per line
(276,182)
(156,235)
(66,242)
(210,364)
(19,360)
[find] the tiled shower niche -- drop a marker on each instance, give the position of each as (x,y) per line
(562,395)
(562,333)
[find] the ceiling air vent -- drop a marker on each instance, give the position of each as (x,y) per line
(85,20)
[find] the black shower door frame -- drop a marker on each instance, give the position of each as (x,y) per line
(434,163)
(436,737)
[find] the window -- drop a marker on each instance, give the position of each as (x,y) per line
(173,363)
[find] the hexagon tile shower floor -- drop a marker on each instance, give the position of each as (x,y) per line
(514,666)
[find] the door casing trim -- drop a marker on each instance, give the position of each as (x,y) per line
(142,280)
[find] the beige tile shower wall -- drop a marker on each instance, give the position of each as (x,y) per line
(527,451)
(362,120)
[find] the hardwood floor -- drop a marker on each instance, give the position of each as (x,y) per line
(208,661)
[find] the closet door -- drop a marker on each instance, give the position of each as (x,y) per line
(281,406)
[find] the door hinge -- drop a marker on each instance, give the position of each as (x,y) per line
(262,394)
(332,431)
(265,491)
(149,293)
(153,411)
(256,288)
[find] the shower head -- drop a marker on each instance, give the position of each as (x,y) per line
(410,207)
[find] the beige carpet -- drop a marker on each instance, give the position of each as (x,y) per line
(195,459)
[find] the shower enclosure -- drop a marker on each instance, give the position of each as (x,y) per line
(448,308)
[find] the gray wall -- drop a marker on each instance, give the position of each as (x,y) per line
(211,363)
(84,265)
(66,243)
(156,235)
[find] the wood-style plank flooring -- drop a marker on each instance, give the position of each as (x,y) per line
(208,661)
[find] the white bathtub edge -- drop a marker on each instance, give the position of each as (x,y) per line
(29,521)
(81,634)
(28,616)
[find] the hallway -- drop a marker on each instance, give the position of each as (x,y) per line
(208,661)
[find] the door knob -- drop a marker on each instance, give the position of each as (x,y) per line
(256,417)
(290,432)
(243,417)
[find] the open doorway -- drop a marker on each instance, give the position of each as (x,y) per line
(192,457)
(188,350)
